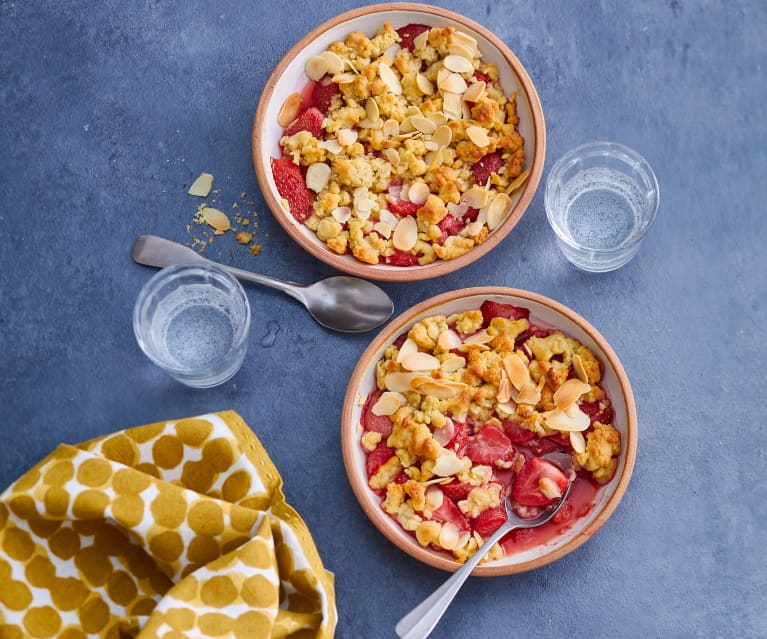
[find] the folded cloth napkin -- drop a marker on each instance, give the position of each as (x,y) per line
(171,530)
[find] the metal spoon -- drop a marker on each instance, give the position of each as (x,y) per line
(340,303)
(420,621)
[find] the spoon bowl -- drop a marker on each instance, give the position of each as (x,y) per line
(340,303)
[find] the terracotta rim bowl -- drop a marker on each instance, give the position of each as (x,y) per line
(543,311)
(288,77)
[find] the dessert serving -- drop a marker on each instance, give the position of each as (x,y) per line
(471,402)
(399,142)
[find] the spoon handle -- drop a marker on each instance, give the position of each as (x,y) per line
(420,621)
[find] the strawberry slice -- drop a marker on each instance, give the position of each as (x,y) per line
(456,490)
(471,215)
(517,433)
(460,438)
(492,309)
(322,95)
(489,521)
(478,75)
(599,411)
(291,185)
(310,120)
(372,422)
(401,258)
(543,445)
(378,457)
(448,513)
(403,208)
(410,32)
(482,169)
(450,225)
(489,446)
(527,489)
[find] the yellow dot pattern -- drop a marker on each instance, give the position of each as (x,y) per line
(175,529)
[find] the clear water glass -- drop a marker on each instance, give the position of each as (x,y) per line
(192,320)
(601,200)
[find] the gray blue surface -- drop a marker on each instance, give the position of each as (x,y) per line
(110,109)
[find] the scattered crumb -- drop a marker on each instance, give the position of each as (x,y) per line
(255,249)
(243,237)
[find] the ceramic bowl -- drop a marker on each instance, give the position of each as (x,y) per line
(544,312)
(289,77)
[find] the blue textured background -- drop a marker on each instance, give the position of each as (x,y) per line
(110,109)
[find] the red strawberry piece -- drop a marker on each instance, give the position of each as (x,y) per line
(532,331)
(323,94)
(482,169)
(478,75)
(489,521)
(543,445)
(517,433)
(310,120)
(492,309)
(460,438)
(488,446)
(456,490)
(370,421)
(378,457)
(291,185)
(400,340)
(403,208)
(565,513)
(471,215)
(527,487)
(448,513)
(410,32)
(450,225)
(599,411)
(401,258)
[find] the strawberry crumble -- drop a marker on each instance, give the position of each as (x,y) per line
(464,410)
(403,149)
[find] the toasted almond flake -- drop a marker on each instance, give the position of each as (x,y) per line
(441,389)
(448,340)
(391,128)
(476,226)
(437,159)
(392,157)
(346,137)
(371,124)
(452,363)
(438,118)
(431,145)
(579,368)
(412,110)
(504,391)
(434,495)
(331,145)
(316,67)
(406,126)
(448,536)
(383,229)
(408,348)
(443,135)
(507,409)
(419,42)
(363,204)
(418,192)
(569,392)
(445,434)
(420,362)
(451,106)
(442,75)
(390,79)
(289,109)
(333,62)
(517,370)
(216,219)
(341,214)
(202,185)
(405,234)
(476,197)
(549,488)
(475,91)
(457,210)
(424,125)
(392,51)
(578,442)
(518,181)
(400,382)
(498,210)
(317,176)
(461,50)
(344,78)
(467,348)
(480,337)
(461,37)
(371,109)
(478,135)
(351,66)
(387,217)
(560,420)
(459,63)
(447,464)
(528,394)
(403,192)
(388,403)
(424,85)
(453,83)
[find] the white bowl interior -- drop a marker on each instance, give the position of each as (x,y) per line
(294,80)
(543,316)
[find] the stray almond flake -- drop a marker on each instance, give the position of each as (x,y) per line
(569,392)
(478,135)
(390,79)
(216,219)
(418,192)
(317,176)
(424,85)
(420,362)
(405,234)
(497,210)
(316,67)
(475,91)
(459,63)
(388,403)
(549,488)
(289,110)
(517,370)
(202,185)
(518,181)
(579,369)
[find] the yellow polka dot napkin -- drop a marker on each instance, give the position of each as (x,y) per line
(172,530)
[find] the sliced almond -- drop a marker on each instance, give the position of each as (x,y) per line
(371,124)
(465,110)
(442,136)
(390,79)
(448,340)
(420,362)
(438,118)
(506,410)
(475,92)
(516,369)
(346,137)
(459,63)
(408,348)
(418,192)
(406,127)
(412,110)
(452,363)
(391,128)
(447,465)
(448,536)
(461,37)
(457,210)
(424,85)
(424,125)
(383,229)
(316,67)
(400,382)
(451,106)
(443,435)
(344,78)
(480,337)
(569,392)
(331,145)
(289,109)
(372,111)
(202,185)
(431,145)
(441,389)
(392,157)
(476,226)
(476,197)
(216,219)
(317,176)
(504,391)
(333,62)
(549,488)
(580,369)
(478,135)
(498,210)
(442,75)
(529,394)
(388,403)
(341,214)
(420,41)
(578,442)
(560,420)
(518,181)
(461,50)
(405,234)
(387,217)
(453,83)
(434,496)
